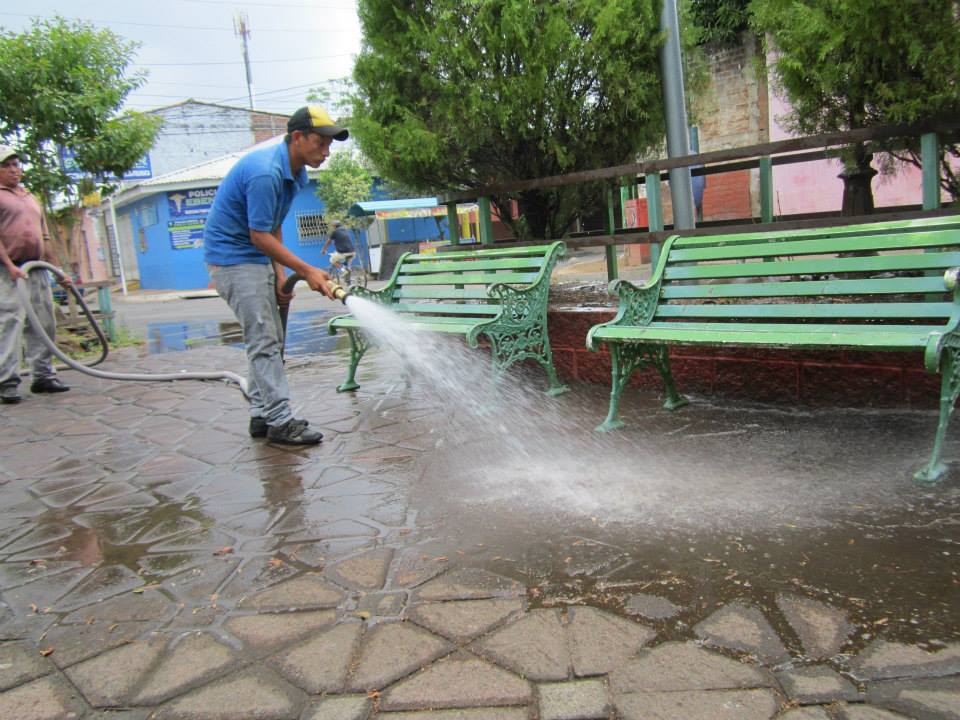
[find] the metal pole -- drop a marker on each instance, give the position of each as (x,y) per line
(241,28)
(116,240)
(671,74)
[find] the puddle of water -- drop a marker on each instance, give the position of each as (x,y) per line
(704,506)
(306,334)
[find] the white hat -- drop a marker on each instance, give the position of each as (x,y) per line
(7,152)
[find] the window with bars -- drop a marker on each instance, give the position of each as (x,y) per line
(311,228)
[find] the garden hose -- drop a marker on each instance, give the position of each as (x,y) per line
(339,292)
(23,293)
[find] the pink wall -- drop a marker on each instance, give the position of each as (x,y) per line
(815,187)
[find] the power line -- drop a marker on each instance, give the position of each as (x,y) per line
(351,8)
(173,27)
(238,62)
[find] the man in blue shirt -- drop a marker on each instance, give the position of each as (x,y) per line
(245,255)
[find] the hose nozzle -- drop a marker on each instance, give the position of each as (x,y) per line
(338,291)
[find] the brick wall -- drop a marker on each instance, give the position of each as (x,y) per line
(733,112)
(816,378)
(267,125)
(727,196)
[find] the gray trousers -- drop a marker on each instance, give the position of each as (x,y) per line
(13,327)
(250,291)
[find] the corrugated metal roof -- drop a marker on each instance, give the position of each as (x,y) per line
(373,206)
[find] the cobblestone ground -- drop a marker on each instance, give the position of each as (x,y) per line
(157,562)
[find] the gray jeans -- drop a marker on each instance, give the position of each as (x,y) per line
(13,327)
(249,290)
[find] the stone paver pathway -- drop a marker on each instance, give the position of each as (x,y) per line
(156,562)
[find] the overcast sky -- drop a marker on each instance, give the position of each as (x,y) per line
(190,50)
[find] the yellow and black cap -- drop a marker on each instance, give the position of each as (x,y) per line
(314,118)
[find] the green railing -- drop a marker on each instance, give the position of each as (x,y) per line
(764,157)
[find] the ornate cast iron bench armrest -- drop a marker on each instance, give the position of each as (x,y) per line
(636,309)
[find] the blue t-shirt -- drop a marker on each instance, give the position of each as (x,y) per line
(255,195)
(341,241)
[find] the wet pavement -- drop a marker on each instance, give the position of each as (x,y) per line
(721,561)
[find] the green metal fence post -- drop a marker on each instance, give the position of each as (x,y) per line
(106,313)
(930,166)
(654,214)
(766,189)
(453,224)
(486,222)
(611,250)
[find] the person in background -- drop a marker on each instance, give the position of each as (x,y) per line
(24,237)
(245,255)
(342,245)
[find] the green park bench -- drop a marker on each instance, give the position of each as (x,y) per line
(877,286)
(497,293)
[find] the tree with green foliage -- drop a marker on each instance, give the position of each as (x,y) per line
(458,94)
(719,22)
(861,63)
(335,96)
(343,181)
(63,84)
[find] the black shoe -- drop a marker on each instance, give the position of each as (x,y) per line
(9,399)
(294,432)
(48,385)
(258,427)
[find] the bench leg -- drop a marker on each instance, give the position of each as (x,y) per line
(661,361)
(620,370)
(949,390)
(556,387)
(514,344)
(624,359)
(358,346)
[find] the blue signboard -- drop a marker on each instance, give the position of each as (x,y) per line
(188,214)
(190,203)
(141,171)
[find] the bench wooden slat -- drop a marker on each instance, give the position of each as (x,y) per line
(445,325)
(443,293)
(810,310)
(448,309)
(529,250)
(936,238)
(920,261)
(763,336)
(798,327)
(804,288)
(468,279)
(945,221)
(529,264)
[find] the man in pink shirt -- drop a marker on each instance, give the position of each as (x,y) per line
(23,237)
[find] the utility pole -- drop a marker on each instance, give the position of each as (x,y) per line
(241,28)
(671,69)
